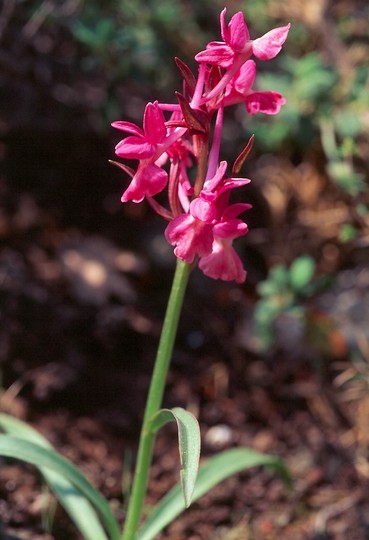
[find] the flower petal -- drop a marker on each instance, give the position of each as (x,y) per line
(134,148)
(223,263)
(216,53)
(154,123)
(223,26)
(212,183)
(269,45)
(265,102)
(148,181)
(230,229)
(235,210)
(128,127)
(190,236)
(203,210)
(238,33)
(244,79)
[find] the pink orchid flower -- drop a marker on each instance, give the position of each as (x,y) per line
(202,224)
(239,90)
(236,43)
(223,261)
(209,228)
(237,48)
(150,178)
(143,143)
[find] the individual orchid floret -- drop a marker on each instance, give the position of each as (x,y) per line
(223,261)
(237,43)
(237,47)
(150,178)
(209,228)
(143,143)
(239,90)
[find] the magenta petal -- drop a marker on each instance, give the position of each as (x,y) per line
(154,178)
(235,210)
(190,237)
(128,127)
(148,181)
(223,263)
(216,54)
(203,210)
(232,183)
(154,123)
(264,102)
(213,183)
(244,79)
(134,148)
(223,26)
(238,33)
(269,45)
(230,229)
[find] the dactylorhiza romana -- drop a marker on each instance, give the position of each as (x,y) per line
(178,137)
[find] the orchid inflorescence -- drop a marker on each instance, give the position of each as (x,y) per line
(202,223)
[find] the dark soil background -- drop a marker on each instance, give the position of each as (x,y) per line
(83,289)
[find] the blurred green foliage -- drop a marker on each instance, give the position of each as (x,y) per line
(284,313)
(283,292)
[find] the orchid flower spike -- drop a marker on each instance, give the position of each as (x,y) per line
(202,223)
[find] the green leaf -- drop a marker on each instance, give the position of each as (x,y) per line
(211,473)
(45,458)
(189,442)
(76,505)
(301,272)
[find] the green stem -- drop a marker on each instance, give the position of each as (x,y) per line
(154,398)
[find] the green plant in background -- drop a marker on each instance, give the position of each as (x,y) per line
(178,142)
(284,292)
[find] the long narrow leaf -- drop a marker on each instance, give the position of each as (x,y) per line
(210,474)
(189,442)
(42,458)
(76,505)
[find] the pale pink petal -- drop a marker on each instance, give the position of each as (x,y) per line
(264,102)
(269,45)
